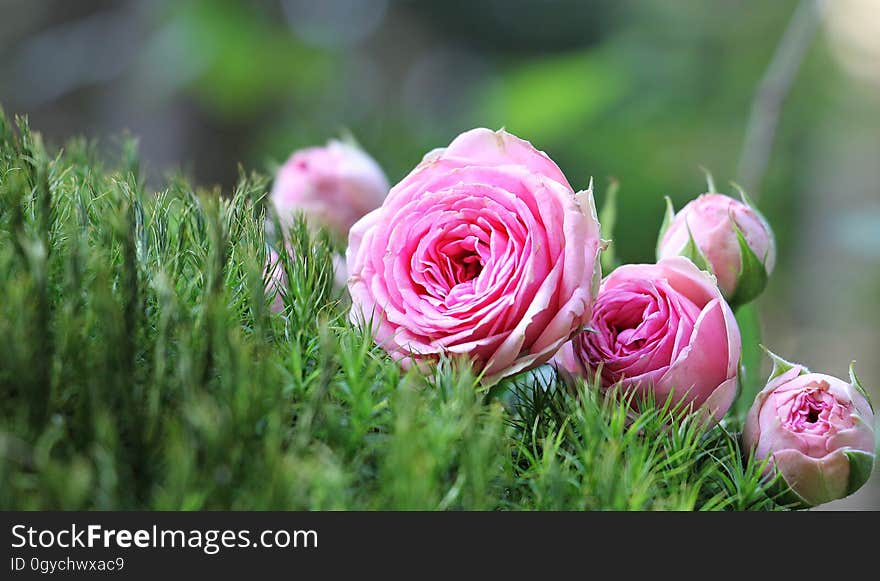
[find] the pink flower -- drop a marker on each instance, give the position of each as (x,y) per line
(816,429)
(483,250)
(711,223)
(663,328)
(333,185)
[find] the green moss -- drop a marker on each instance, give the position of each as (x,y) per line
(141,368)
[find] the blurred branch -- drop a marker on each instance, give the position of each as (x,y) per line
(772,92)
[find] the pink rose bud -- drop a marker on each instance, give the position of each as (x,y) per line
(817,432)
(727,237)
(333,185)
(661,328)
(483,250)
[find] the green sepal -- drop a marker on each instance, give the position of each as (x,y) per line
(607,220)
(860,466)
(747,200)
(751,357)
(854,380)
(745,197)
(784,495)
(752,278)
(347,137)
(667,222)
(692,251)
(710,181)
(781,366)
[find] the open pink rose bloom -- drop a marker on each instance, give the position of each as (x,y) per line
(483,250)
(663,328)
(817,431)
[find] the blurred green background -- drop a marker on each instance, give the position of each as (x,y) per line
(642,91)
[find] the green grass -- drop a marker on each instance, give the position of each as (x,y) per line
(141,368)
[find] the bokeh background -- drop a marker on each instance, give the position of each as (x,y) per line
(642,91)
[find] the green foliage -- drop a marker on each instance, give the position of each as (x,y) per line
(608,219)
(529,102)
(579,450)
(142,368)
(750,379)
(231,37)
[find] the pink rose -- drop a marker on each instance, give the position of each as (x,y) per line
(333,185)
(816,429)
(707,230)
(665,328)
(484,250)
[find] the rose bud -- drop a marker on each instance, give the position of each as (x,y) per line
(815,430)
(661,329)
(333,185)
(483,250)
(729,238)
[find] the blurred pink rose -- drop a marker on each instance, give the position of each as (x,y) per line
(333,185)
(662,328)
(712,220)
(818,431)
(483,249)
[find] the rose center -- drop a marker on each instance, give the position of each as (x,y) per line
(461,260)
(810,411)
(465,267)
(625,336)
(627,326)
